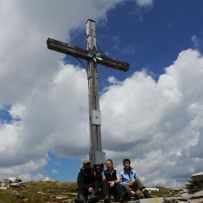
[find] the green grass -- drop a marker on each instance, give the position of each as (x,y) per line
(43,192)
(37,192)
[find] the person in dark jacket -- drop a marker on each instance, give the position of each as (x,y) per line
(86,182)
(111,180)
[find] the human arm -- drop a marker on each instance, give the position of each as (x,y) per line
(117,179)
(132,177)
(123,178)
(90,189)
(103,176)
(81,181)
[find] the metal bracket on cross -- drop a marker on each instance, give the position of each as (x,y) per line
(95,55)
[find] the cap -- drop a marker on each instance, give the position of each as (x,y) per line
(86,162)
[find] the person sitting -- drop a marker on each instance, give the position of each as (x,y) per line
(130,181)
(86,183)
(111,182)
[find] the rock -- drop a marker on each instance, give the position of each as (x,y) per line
(18,195)
(197,200)
(197,195)
(153,189)
(62,197)
(3,188)
(151,200)
(193,191)
(41,193)
(198,177)
(11,182)
(174,199)
(72,194)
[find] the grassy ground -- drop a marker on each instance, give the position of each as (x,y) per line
(50,192)
(39,192)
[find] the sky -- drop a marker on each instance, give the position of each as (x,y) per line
(152,114)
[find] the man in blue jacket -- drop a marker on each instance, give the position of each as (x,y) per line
(130,182)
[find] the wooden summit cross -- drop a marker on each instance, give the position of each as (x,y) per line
(93,57)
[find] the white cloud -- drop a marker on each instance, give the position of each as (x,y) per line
(8,136)
(112,80)
(31,81)
(17,111)
(22,169)
(34,177)
(54,119)
(158,124)
(24,60)
(144,2)
(54,171)
(196,42)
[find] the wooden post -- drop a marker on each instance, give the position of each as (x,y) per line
(96,154)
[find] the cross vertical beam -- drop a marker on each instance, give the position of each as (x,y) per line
(96,154)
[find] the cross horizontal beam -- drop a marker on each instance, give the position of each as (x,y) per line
(84,54)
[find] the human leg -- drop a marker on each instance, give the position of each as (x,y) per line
(106,190)
(139,185)
(82,195)
(129,190)
(118,191)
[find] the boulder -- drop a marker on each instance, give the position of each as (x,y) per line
(197,177)
(151,200)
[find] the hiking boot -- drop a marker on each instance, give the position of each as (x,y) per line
(132,193)
(93,198)
(124,196)
(146,194)
(138,196)
(106,199)
(80,199)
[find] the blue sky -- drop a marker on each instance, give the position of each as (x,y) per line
(148,37)
(152,113)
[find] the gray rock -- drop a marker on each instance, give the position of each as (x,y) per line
(197,177)
(197,195)
(151,200)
